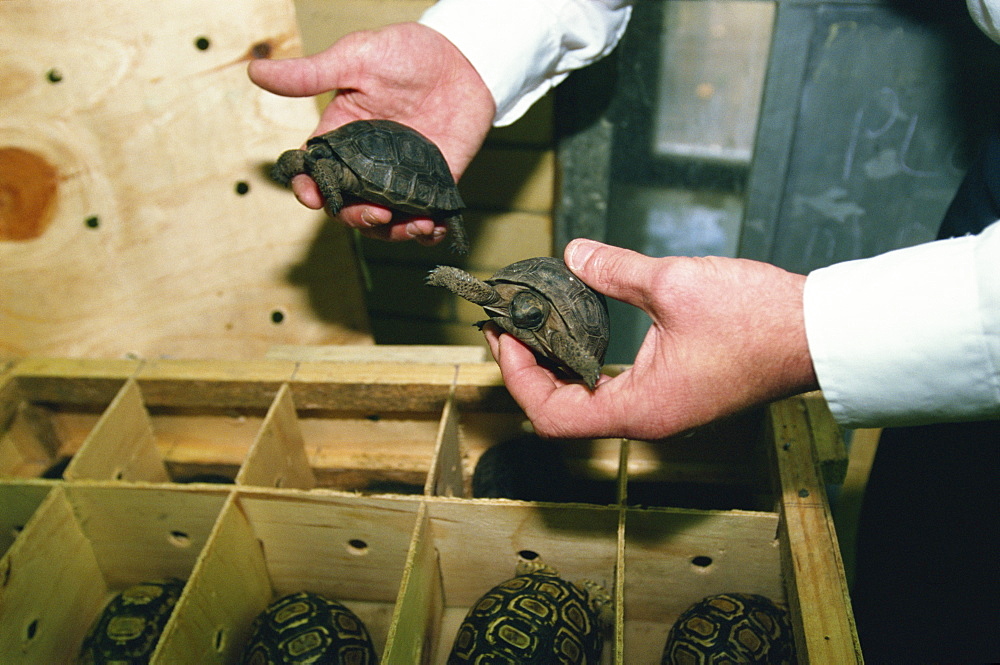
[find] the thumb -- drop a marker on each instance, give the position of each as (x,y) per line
(618,273)
(296,77)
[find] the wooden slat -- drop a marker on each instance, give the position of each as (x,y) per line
(211,622)
(53,587)
(828,439)
(278,455)
(447,477)
(122,445)
(818,594)
(416,620)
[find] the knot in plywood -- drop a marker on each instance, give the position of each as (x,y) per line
(28,189)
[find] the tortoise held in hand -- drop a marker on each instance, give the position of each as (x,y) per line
(383,162)
(535,618)
(544,305)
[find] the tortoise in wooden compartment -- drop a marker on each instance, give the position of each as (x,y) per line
(128,629)
(384,162)
(533,618)
(544,305)
(305,628)
(731,628)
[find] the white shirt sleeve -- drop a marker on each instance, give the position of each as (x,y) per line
(986,14)
(911,336)
(522,48)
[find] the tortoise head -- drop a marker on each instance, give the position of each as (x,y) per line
(529,310)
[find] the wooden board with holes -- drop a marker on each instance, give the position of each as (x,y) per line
(136,216)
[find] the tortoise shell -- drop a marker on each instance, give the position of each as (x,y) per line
(535,617)
(128,629)
(304,629)
(544,305)
(387,163)
(731,628)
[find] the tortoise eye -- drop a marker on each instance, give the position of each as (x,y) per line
(528,311)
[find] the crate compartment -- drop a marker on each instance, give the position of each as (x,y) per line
(43,423)
(134,441)
(350,549)
(721,466)
(674,557)
(477,545)
(19,501)
(84,544)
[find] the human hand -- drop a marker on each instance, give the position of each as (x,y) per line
(726,334)
(405,72)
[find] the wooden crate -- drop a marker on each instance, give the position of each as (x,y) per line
(352,479)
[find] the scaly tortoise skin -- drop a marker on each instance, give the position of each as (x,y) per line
(544,305)
(731,628)
(534,618)
(128,629)
(307,629)
(384,162)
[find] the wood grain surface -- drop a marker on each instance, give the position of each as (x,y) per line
(136,217)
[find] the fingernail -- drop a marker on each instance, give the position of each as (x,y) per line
(367,218)
(578,251)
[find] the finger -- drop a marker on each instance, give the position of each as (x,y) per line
(619,273)
(423,231)
(306,192)
(365,215)
(556,409)
(292,77)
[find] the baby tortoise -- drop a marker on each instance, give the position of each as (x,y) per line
(535,618)
(307,629)
(544,305)
(731,628)
(383,162)
(128,629)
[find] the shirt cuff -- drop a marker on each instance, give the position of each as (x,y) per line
(523,48)
(899,339)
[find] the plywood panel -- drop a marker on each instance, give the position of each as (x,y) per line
(135,215)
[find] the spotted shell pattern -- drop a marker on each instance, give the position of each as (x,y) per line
(731,628)
(307,629)
(533,618)
(128,629)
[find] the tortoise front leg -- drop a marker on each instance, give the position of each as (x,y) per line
(576,357)
(327,175)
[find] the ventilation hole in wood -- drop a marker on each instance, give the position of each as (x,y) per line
(202,43)
(527,555)
(261,50)
(92,222)
(357,547)
(242,187)
(179,539)
(701,561)
(53,76)
(277,316)
(119,474)
(31,630)
(219,640)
